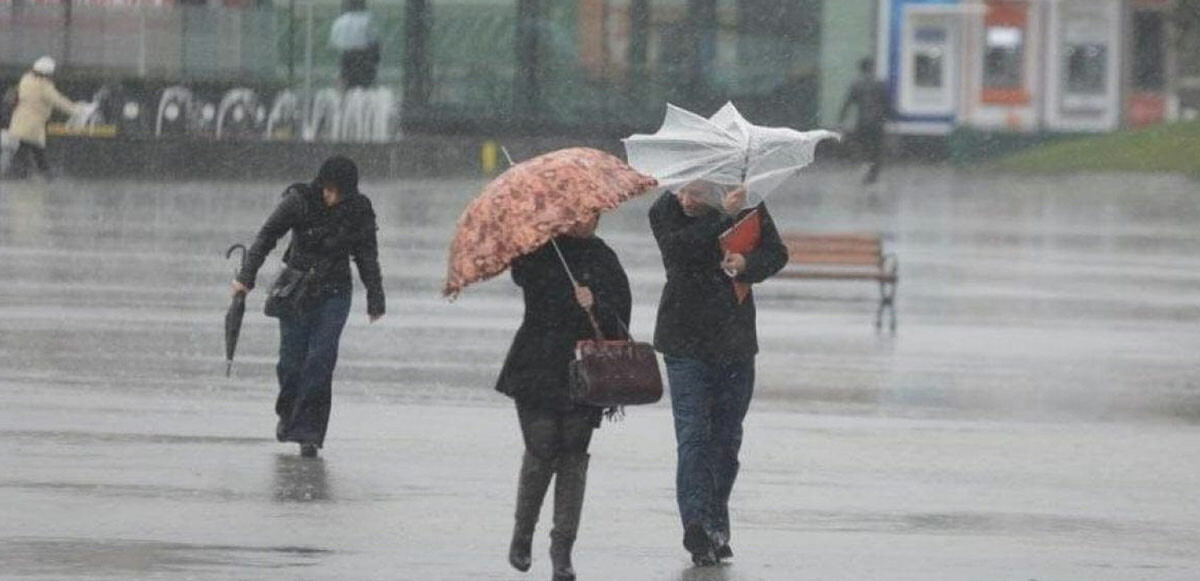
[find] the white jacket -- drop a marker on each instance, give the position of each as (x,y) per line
(36,100)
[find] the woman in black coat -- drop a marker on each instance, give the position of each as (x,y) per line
(535,374)
(331,222)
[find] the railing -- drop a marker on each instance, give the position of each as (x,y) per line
(143,41)
(588,69)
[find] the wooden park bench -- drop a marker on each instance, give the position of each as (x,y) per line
(845,257)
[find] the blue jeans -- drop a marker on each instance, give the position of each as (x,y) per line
(308,349)
(709,402)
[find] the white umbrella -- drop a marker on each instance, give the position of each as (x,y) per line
(723,149)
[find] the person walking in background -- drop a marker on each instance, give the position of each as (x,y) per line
(37,98)
(708,339)
(556,431)
(356,37)
(330,222)
(869,96)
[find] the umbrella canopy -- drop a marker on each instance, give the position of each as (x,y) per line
(724,149)
(233,317)
(531,203)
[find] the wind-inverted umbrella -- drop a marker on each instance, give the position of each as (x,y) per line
(727,150)
(530,204)
(233,317)
(724,149)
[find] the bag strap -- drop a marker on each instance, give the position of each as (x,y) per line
(575,285)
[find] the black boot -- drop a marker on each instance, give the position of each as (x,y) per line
(308,449)
(531,489)
(569,486)
(699,543)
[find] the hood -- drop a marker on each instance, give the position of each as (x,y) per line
(338,171)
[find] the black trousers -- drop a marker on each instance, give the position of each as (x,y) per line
(870,143)
(549,433)
(359,67)
(308,350)
(19,165)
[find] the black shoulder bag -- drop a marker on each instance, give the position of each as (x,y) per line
(292,292)
(294,289)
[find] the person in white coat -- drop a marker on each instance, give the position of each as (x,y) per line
(355,35)
(37,98)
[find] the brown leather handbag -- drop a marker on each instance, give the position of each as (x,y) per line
(607,373)
(615,373)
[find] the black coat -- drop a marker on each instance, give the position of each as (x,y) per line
(872,99)
(325,237)
(535,371)
(699,316)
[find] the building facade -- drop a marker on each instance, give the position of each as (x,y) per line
(1029,65)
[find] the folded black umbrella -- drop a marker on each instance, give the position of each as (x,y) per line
(233,317)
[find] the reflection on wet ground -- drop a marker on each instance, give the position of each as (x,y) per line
(718,573)
(1034,417)
(300,479)
(140,559)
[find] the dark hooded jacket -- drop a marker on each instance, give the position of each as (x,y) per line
(325,238)
(698,315)
(535,371)
(871,97)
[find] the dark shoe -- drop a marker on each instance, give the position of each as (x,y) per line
(697,542)
(532,483)
(872,175)
(704,559)
(723,552)
(569,487)
(308,449)
(281,430)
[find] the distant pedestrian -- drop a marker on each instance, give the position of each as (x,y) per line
(556,431)
(331,222)
(37,98)
(8,102)
(869,96)
(356,37)
(708,338)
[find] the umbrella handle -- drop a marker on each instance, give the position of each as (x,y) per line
(242,247)
(595,324)
(575,286)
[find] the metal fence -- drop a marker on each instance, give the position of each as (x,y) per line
(594,62)
(170,42)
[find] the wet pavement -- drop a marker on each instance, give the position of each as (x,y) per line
(1036,416)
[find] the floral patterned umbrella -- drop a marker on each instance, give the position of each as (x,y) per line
(532,202)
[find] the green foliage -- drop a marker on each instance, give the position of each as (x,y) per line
(1173,147)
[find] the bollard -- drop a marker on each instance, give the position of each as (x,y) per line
(488,156)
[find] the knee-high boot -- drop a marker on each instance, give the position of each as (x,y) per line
(569,486)
(531,490)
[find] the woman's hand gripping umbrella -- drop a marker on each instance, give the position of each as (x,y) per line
(233,317)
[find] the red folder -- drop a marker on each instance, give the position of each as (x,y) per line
(742,238)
